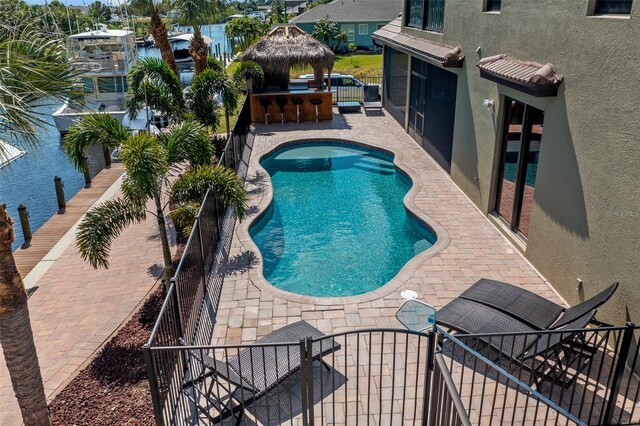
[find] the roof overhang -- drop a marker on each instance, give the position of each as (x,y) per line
(434,53)
(529,77)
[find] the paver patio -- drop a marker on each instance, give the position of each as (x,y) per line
(471,248)
(77,308)
(250,309)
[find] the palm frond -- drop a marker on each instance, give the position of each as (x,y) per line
(145,161)
(204,88)
(184,216)
(102,225)
(154,84)
(187,141)
(33,69)
(196,12)
(96,128)
(193,185)
(249,70)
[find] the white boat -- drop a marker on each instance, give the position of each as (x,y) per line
(180,44)
(104,57)
(9,153)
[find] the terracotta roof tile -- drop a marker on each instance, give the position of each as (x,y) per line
(520,71)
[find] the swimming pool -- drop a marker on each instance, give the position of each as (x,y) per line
(337,225)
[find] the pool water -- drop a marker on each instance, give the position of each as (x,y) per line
(337,225)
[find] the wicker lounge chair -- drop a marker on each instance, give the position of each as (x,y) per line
(372,99)
(530,308)
(250,375)
(546,354)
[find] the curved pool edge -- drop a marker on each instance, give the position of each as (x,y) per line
(256,275)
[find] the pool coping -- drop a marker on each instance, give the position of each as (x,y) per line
(256,275)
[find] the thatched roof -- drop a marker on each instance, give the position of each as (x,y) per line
(287,46)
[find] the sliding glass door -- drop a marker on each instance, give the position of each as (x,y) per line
(518,165)
(432,109)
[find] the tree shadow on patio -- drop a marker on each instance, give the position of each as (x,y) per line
(240,263)
(155,270)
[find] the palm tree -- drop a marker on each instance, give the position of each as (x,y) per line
(340,38)
(153,84)
(325,29)
(147,160)
(195,13)
(96,129)
(250,74)
(158,28)
(204,89)
(32,69)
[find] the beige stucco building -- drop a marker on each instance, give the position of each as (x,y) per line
(544,138)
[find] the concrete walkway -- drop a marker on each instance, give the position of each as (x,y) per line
(75,308)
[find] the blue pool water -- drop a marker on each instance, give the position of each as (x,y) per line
(337,225)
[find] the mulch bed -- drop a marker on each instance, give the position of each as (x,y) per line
(113,389)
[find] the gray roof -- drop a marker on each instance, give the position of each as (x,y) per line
(353,11)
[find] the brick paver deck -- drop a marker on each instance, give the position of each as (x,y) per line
(473,248)
(76,308)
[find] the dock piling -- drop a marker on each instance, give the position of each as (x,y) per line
(62,204)
(23,213)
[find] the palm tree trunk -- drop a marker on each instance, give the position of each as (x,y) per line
(198,50)
(159,32)
(106,151)
(16,336)
(164,239)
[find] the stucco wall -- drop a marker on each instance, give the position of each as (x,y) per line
(586,216)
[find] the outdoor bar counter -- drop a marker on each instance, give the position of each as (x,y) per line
(307,109)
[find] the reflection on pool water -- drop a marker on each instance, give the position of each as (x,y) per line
(337,225)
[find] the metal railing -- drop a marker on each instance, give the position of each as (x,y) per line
(190,306)
(585,376)
(488,393)
(356,93)
(380,376)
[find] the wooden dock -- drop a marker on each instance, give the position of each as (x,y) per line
(55,228)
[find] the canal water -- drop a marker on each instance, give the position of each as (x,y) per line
(29,179)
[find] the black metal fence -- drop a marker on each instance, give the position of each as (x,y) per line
(581,376)
(372,377)
(357,90)
(193,294)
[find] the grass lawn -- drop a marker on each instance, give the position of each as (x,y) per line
(356,65)
(222,128)
(231,68)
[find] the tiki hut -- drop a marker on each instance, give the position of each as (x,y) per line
(286,47)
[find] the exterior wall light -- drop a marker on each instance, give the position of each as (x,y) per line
(488,104)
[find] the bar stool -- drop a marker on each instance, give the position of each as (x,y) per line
(297,102)
(281,101)
(265,102)
(317,102)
